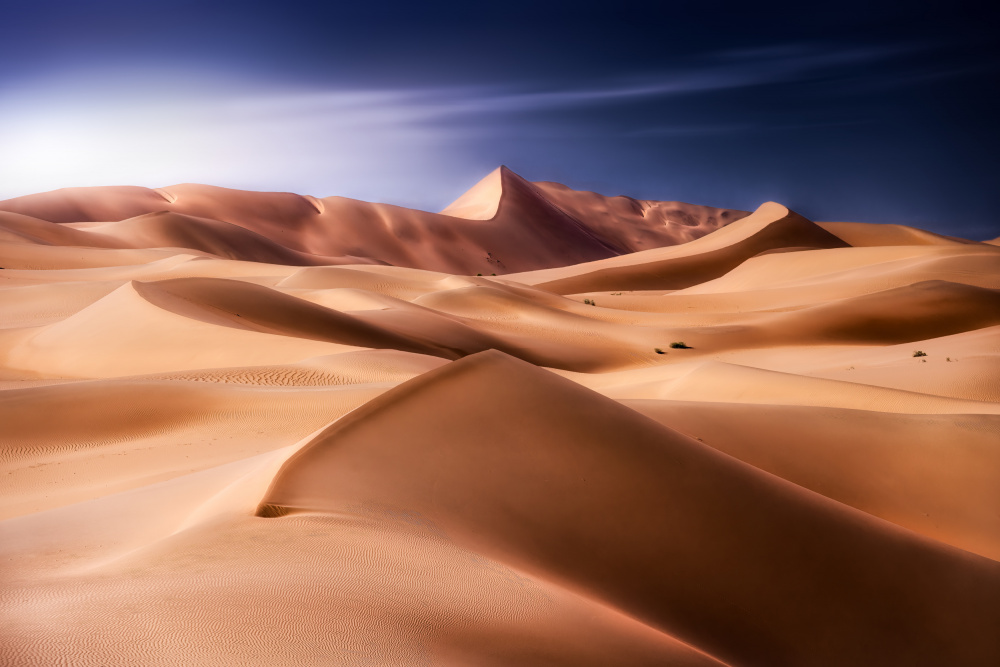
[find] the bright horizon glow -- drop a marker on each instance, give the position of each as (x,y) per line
(349,143)
(157,128)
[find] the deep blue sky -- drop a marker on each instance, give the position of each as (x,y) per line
(881,112)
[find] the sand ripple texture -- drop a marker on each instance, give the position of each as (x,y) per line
(541,427)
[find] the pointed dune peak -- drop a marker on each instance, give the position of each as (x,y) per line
(505,196)
(482,200)
(528,468)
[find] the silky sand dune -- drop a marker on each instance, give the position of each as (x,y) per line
(501,225)
(126,334)
(770,227)
(395,591)
(847,271)
(637,224)
(973,375)
(173,230)
(597,497)
(861,234)
(17,228)
(239,305)
(941,486)
(266,428)
(33,257)
(112,435)
(716,381)
(88,204)
(923,310)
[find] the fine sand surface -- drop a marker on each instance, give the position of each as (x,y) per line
(243,428)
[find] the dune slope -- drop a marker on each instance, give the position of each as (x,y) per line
(585,491)
(771,227)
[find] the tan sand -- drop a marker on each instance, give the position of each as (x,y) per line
(264,428)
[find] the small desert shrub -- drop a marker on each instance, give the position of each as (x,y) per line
(658,350)
(268,511)
(590,302)
(587,301)
(479,274)
(920,353)
(680,345)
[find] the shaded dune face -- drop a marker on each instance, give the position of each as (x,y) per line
(635,224)
(246,306)
(927,309)
(263,428)
(592,494)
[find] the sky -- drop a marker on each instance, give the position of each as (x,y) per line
(868,111)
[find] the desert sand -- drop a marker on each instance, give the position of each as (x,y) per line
(540,427)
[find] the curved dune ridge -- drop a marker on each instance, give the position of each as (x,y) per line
(540,427)
(771,227)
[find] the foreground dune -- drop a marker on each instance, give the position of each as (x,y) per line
(264,428)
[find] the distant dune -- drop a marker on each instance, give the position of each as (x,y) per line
(264,428)
(503,224)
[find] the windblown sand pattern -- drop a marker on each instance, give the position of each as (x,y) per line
(540,427)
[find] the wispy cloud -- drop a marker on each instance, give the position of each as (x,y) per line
(722,70)
(158,128)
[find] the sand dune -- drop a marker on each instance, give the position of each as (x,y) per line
(597,497)
(940,464)
(927,309)
(860,234)
(220,239)
(126,334)
(89,204)
(113,435)
(501,225)
(770,227)
(265,428)
(18,228)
